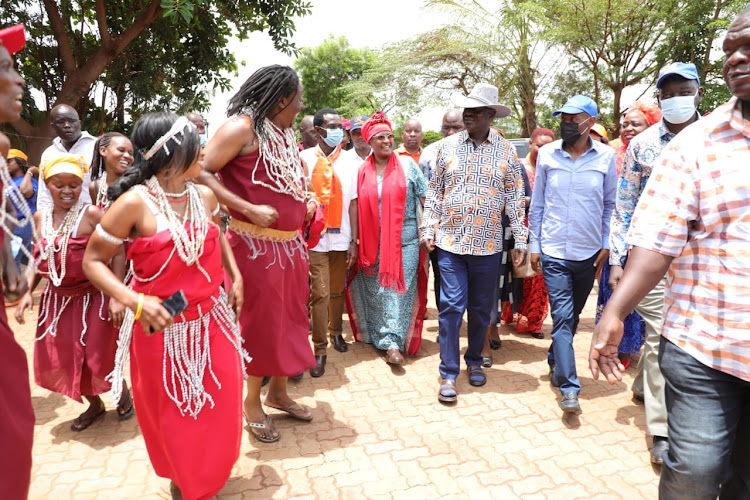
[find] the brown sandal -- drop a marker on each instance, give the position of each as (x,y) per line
(295,411)
(266,426)
(82,423)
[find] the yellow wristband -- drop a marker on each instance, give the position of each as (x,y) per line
(139,309)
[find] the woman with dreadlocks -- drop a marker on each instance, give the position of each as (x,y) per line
(263,184)
(186,361)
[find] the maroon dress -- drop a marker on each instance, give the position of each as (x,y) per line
(275,272)
(76,343)
(16,413)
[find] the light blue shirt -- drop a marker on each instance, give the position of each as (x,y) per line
(572,202)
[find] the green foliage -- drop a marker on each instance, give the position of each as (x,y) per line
(430,136)
(693,32)
(390,85)
(114,60)
(327,69)
(614,42)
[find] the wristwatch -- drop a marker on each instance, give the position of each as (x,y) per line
(354,241)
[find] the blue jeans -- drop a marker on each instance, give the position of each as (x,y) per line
(466,283)
(569,283)
(709,430)
(25,234)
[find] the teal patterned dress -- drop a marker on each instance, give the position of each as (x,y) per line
(379,315)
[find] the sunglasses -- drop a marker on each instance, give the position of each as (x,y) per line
(383,138)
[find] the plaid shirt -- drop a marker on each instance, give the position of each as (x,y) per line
(696,208)
(472,185)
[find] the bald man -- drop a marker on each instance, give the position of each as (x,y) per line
(200,124)
(307,132)
(412,137)
(70,140)
(453,122)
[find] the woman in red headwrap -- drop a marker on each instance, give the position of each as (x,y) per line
(637,118)
(16,413)
(386,296)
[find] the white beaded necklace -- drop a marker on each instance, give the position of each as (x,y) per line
(279,149)
(51,246)
(15,196)
(101,193)
(188,238)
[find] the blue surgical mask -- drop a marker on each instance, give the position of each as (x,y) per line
(203,139)
(333,137)
(678,109)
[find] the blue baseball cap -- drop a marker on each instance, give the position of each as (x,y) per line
(579,104)
(358,122)
(685,70)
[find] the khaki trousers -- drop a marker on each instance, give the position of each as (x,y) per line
(649,380)
(327,280)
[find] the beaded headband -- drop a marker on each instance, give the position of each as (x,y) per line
(177,128)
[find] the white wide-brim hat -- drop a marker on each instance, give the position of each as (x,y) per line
(483,95)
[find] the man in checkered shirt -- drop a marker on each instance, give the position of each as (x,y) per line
(693,220)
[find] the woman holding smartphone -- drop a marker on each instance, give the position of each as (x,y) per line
(187,369)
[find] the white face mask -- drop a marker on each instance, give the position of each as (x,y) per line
(678,109)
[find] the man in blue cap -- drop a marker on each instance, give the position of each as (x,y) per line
(573,199)
(361,149)
(680,94)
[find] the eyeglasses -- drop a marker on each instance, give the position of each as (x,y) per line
(383,138)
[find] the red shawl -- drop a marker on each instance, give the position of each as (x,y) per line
(393,204)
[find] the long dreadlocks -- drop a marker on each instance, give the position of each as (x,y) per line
(260,93)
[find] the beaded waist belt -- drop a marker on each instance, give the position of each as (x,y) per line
(263,233)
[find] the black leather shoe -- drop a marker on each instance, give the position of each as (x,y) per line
(569,403)
(297,377)
(660,447)
(495,344)
(553,377)
(339,343)
(320,367)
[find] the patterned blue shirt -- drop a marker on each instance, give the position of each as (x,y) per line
(572,201)
(636,169)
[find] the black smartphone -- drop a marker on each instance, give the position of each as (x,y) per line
(175,303)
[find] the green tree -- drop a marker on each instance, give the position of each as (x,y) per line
(132,56)
(327,69)
(390,84)
(614,42)
(493,41)
(694,28)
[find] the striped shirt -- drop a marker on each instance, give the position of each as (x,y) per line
(696,208)
(472,185)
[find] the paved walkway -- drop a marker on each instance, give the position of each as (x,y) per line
(379,432)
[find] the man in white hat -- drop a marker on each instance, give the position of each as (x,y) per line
(476,178)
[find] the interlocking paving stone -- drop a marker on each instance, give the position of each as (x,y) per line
(379,432)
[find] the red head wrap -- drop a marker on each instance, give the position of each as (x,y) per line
(651,113)
(376,123)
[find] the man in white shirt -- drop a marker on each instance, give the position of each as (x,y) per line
(334,179)
(70,140)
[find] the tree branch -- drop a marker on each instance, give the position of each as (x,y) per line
(101,21)
(63,42)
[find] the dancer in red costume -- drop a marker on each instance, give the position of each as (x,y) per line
(186,370)
(262,182)
(76,342)
(16,414)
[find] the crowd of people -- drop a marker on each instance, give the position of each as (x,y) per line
(166,250)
